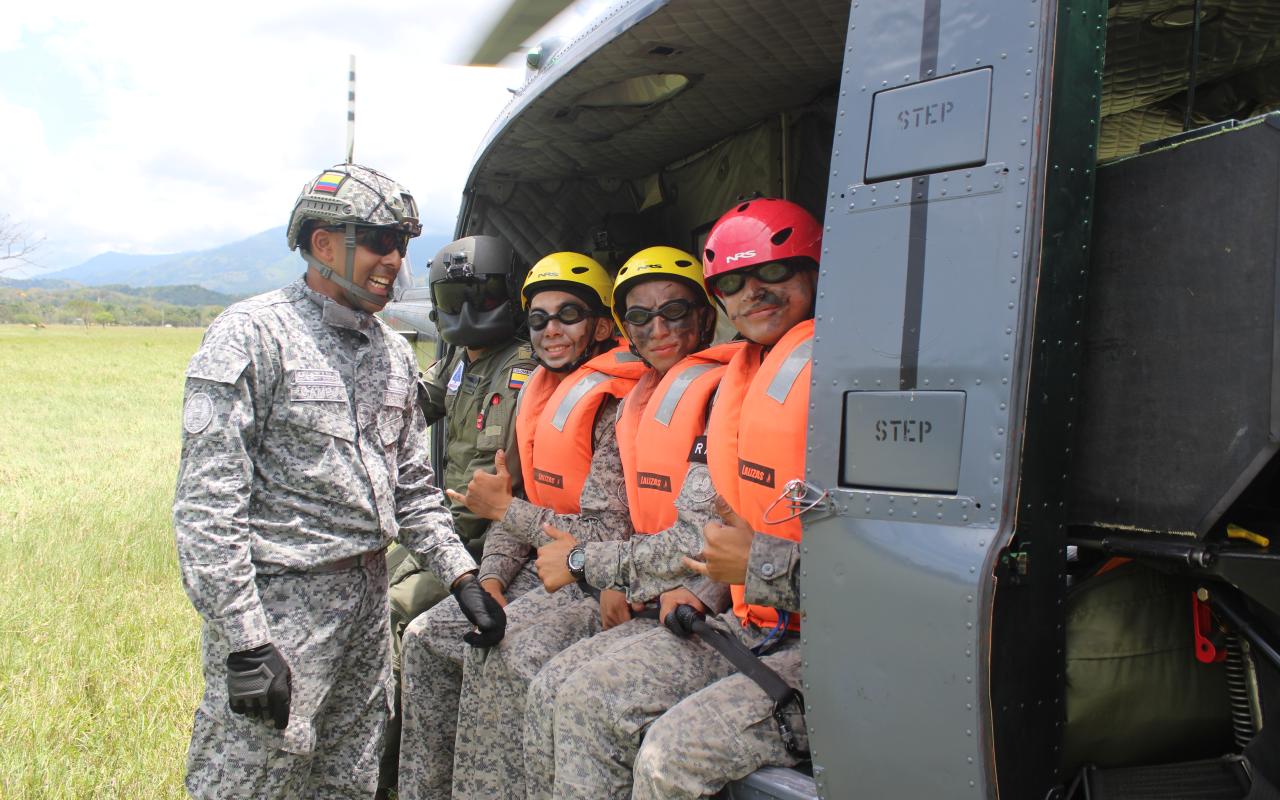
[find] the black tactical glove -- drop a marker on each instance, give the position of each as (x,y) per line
(482,610)
(259,684)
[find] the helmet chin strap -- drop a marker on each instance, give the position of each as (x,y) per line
(354,293)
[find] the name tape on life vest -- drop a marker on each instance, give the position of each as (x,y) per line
(756,473)
(698,453)
(652,480)
(548,478)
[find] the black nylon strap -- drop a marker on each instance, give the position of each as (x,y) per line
(685,620)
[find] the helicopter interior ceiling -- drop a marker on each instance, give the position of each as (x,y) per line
(748,61)
(1144,85)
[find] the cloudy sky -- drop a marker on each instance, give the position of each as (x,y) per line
(156,127)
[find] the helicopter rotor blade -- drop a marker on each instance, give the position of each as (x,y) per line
(521,20)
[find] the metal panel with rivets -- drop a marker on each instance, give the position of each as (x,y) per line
(936,298)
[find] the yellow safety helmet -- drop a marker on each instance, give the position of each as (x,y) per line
(669,263)
(569,272)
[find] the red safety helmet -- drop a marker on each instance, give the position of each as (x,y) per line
(759,231)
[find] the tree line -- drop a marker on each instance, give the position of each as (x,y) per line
(35,305)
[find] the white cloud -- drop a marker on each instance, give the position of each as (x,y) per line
(186,126)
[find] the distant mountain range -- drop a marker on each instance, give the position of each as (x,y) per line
(239,269)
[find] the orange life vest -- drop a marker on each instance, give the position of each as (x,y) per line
(756,440)
(661,425)
(555,425)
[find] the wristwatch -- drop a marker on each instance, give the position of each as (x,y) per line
(577,562)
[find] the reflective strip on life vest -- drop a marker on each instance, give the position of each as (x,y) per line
(790,369)
(671,398)
(574,395)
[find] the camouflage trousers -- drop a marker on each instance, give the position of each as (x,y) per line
(539,709)
(720,726)
(431,674)
(488,760)
(332,630)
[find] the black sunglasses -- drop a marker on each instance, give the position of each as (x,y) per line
(569,314)
(730,283)
(379,241)
(671,311)
(481,292)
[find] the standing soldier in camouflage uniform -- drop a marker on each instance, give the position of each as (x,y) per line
(473,285)
(303,456)
(720,724)
(566,295)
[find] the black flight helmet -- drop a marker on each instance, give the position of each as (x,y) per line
(474,291)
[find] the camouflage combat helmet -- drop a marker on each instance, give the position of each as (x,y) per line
(352,196)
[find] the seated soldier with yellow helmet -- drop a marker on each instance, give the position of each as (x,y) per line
(662,305)
(580,376)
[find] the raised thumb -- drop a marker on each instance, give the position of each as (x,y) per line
(726,513)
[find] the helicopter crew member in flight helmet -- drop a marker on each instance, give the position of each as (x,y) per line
(303,456)
(474,284)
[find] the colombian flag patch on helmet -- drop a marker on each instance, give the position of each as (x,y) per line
(518,378)
(329,182)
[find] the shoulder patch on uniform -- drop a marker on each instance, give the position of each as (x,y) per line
(698,453)
(455,380)
(197,414)
(219,363)
(519,376)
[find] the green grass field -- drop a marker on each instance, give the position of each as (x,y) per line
(99,670)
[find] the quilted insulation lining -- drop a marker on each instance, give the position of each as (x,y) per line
(748,60)
(752,59)
(1145,79)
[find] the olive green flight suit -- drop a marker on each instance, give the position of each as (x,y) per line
(477,401)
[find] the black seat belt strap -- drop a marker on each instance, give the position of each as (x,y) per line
(685,620)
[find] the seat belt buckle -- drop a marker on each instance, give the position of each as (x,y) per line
(789,739)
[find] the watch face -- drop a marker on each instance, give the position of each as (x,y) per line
(577,559)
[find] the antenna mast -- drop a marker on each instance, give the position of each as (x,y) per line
(351,108)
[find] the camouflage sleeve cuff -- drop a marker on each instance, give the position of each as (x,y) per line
(448,561)
(244,631)
(773,572)
(608,564)
(523,520)
(715,596)
(500,567)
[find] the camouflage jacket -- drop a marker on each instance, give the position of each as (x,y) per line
(646,566)
(603,525)
(477,400)
(302,446)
